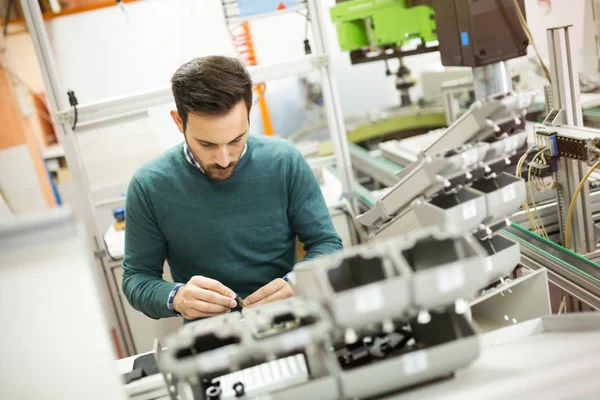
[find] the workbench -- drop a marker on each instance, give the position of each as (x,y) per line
(553,357)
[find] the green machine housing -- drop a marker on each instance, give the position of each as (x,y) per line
(468,33)
(362,23)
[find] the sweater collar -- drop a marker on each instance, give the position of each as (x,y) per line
(190,157)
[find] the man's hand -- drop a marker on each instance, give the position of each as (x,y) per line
(275,290)
(203,297)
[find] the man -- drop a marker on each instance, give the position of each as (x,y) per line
(223,208)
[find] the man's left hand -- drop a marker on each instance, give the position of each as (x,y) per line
(275,290)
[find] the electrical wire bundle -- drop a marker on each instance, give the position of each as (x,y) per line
(523,22)
(539,228)
(536,227)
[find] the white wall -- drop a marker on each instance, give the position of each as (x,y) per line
(103,54)
(100,54)
(561,13)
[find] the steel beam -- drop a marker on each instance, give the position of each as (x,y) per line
(565,97)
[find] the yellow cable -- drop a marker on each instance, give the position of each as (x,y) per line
(563,303)
(525,205)
(527,31)
(574,199)
(544,233)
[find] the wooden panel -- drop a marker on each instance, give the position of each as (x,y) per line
(11,125)
(17,131)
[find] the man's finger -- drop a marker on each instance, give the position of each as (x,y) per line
(209,296)
(278,295)
(194,313)
(214,285)
(209,308)
(265,291)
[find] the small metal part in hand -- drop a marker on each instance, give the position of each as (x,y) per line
(240,301)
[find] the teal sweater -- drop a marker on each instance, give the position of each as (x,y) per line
(240,231)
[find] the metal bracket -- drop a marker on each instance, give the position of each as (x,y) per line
(320,61)
(99,254)
(66,117)
(555,118)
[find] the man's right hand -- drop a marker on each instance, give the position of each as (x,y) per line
(203,297)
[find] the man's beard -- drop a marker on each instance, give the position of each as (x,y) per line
(218,173)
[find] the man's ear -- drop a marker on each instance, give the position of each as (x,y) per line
(177,119)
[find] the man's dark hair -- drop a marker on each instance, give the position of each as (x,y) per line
(211,85)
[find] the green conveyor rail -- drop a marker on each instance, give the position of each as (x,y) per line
(557,253)
(397,123)
(361,192)
(380,161)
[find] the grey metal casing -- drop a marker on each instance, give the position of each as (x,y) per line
(505,147)
(251,350)
(504,256)
(474,125)
(213,361)
(263,317)
(426,177)
(503,195)
(363,304)
(446,280)
(409,369)
(461,218)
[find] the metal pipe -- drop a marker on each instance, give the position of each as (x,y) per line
(491,79)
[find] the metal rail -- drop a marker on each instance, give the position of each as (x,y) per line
(574,274)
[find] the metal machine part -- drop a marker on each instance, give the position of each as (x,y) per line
(275,349)
(356,285)
(565,97)
(491,79)
(576,275)
(404,81)
(478,33)
(438,168)
(358,281)
(390,310)
(374,31)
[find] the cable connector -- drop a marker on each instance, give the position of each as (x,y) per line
(73,103)
(307,49)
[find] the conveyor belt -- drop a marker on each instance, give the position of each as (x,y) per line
(557,253)
(569,271)
(378,167)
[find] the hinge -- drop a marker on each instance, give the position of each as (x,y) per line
(99,254)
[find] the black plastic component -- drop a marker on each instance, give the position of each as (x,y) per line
(540,170)
(206,343)
(430,253)
(572,148)
(239,389)
(444,327)
(373,347)
(307,49)
(134,375)
(356,271)
(477,33)
(142,366)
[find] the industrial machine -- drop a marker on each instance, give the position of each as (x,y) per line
(394,313)
(391,310)
(477,34)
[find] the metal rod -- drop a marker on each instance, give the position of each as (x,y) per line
(84,207)
(7,16)
(335,120)
(491,80)
(565,97)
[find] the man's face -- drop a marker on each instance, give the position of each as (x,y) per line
(216,142)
